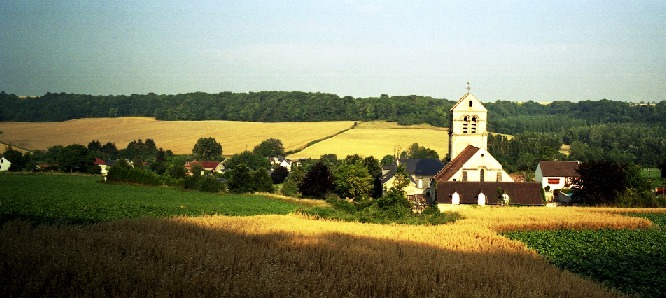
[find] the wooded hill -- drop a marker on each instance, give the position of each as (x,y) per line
(281,106)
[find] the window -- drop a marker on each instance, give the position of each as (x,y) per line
(483,175)
(464,176)
(470,103)
(499,176)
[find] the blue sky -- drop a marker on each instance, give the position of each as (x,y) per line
(508,50)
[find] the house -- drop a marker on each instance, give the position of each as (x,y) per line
(4,164)
(104,168)
(281,162)
(556,175)
(420,171)
(208,166)
(474,176)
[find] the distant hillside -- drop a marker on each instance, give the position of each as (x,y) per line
(281,106)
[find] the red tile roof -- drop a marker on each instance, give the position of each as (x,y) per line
(453,166)
(559,168)
(520,193)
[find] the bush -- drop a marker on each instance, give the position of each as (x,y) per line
(290,188)
(209,184)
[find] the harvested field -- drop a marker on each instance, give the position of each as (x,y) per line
(177,136)
(379,139)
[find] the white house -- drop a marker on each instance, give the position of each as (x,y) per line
(556,175)
(4,164)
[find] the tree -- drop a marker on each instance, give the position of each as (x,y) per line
(317,182)
(604,182)
(239,179)
(375,170)
(207,149)
(15,157)
(251,160)
(75,158)
(395,198)
(388,159)
(419,152)
(269,148)
(662,167)
(295,178)
(352,181)
(279,175)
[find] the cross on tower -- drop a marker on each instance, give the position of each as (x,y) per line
(468,88)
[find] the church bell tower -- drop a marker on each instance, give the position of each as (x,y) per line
(468,124)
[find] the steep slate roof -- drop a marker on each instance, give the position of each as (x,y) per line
(422,167)
(559,168)
(453,166)
(520,193)
(414,167)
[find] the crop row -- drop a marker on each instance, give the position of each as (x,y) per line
(629,260)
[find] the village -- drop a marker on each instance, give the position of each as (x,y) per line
(471,176)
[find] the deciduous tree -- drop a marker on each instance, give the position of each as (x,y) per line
(207,149)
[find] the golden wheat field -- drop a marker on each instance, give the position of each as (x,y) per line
(292,256)
(379,139)
(177,136)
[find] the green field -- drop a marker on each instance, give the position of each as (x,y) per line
(631,261)
(83,199)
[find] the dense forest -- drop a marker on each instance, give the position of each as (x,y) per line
(621,131)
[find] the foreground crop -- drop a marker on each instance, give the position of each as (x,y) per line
(629,260)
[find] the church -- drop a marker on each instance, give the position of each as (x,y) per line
(474,176)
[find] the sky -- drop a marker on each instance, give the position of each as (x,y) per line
(508,50)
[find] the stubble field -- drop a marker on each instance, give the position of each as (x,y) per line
(366,139)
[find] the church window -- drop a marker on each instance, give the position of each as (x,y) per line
(483,175)
(474,121)
(470,103)
(464,176)
(499,176)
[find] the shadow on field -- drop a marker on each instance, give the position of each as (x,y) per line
(246,258)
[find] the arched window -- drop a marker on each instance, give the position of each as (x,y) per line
(465,127)
(483,175)
(475,119)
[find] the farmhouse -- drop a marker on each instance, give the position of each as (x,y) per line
(4,164)
(420,171)
(474,176)
(557,174)
(208,166)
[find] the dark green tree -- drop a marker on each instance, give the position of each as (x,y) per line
(279,175)
(16,158)
(317,182)
(240,180)
(207,149)
(295,178)
(604,182)
(269,148)
(75,158)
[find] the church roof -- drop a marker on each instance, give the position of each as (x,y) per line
(453,166)
(520,193)
(468,97)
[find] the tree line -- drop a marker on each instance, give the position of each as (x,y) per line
(278,106)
